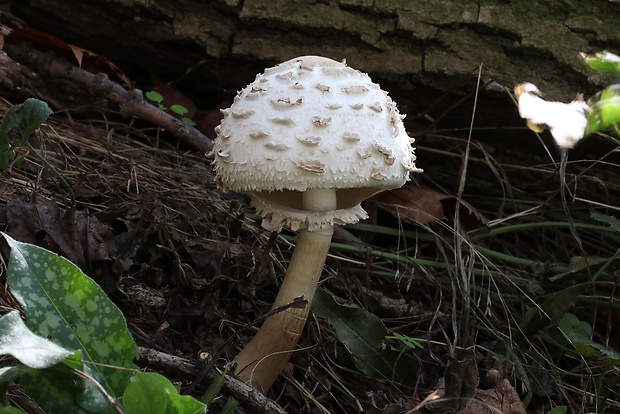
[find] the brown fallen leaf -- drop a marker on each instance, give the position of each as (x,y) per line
(78,56)
(79,237)
(423,206)
(502,398)
(460,382)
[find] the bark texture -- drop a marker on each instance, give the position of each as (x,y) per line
(415,49)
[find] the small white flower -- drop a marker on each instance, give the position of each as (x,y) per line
(566,122)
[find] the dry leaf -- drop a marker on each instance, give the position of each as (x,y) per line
(423,206)
(413,204)
(500,399)
(74,234)
(459,384)
(82,58)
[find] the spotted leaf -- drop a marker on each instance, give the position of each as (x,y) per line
(64,305)
(31,350)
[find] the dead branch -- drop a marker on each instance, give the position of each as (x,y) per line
(248,396)
(130,103)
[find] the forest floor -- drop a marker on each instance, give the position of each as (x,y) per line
(193,271)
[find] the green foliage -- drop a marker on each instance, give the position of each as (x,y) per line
(18,124)
(16,127)
(75,353)
(363,334)
(214,389)
(605,105)
(31,350)
(57,389)
(157,98)
(45,369)
(176,108)
(67,306)
(604,109)
(604,62)
(154,394)
(579,333)
(408,341)
(613,222)
(561,409)
(551,311)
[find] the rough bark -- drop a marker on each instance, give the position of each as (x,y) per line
(415,49)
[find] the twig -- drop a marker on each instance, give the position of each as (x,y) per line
(245,394)
(131,103)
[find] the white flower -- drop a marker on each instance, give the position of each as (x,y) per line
(566,122)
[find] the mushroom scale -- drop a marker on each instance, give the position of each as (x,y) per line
(311,123)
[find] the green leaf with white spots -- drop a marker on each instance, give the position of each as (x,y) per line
(31,350)
(63,304)
(57,390)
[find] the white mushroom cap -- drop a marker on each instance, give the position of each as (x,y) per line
(312,123)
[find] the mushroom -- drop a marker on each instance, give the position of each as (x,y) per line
(308,141)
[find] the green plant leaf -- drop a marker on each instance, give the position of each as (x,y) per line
(604,109)
(214,388)
(55,389)
(150,393)
(188,121)
(19,123)
(407,340)
(230,406)
(8,374)
(560,409)
(613,222)
(63,304)
(31,350)
(154,96)
(179,109)
(574,329)
(579,332)
(362,333)
(550,312)
(604,62)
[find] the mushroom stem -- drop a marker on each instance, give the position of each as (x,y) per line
(266,355)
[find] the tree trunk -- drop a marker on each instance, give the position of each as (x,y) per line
(417,50)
